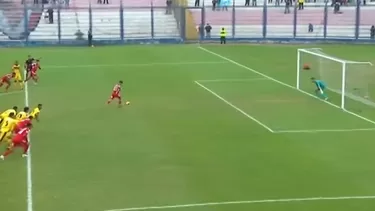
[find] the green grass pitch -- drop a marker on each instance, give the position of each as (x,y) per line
(203,126)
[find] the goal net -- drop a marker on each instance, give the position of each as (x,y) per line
(349,83)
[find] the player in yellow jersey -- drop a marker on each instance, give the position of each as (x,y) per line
(6,113)
(23,114)
(36,111)
(16,69)
(7,127)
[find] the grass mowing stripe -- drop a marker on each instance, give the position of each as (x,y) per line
(235,107)
(325,131)
(10,93)
(282,83)
(232,80)
(263,201)
(133,65)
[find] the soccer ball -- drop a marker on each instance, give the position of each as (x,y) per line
(127,103)
(306,67)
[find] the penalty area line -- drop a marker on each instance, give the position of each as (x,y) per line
(325,131)
(263,201)
(282,83)
(235,107)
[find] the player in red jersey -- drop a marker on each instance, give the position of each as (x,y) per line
(33,71)
(6,79)
(20,139)
(23,124)
(116,93)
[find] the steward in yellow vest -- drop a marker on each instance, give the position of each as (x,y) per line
(300,4)
(223,36)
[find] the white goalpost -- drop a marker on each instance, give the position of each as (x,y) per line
(349,83)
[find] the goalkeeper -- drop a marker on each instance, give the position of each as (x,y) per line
(320,85)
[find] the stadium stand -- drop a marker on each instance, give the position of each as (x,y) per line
(106,21)
(75,19)
(12,19)
(249,21)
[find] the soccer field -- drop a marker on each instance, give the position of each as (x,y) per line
(208,128)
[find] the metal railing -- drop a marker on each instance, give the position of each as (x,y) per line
(59,23)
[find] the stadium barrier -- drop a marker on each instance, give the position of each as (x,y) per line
(30,24)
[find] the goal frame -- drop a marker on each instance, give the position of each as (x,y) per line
(341,61)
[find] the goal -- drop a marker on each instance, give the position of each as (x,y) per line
(348,82)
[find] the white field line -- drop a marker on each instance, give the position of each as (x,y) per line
(264,201)
(232,80)
(282,83)
(10,93)
(324,131)
(29,181)
(235,107)
(132,65)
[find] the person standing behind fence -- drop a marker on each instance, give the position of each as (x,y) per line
(196,3)
(223,36)
(247,3)
(169,7)
(105,2)
(208,29)
(50,15)
(89,38)
(372,32)
(287,6)
(214,2)
(300,4)
(224,5)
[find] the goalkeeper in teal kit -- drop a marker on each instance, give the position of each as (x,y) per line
(320,91)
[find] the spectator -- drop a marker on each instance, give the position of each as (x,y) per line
(287,6)
(36,1)
(79,35)
(214,2)
(277,3)
(247,3)
(254,3)
(50,15)
(311,28)
(208,29)
(196,3)
(224,5)
(218,4)
(104,2)
(99,1)
(372,32)
(300,4)
(336,7)
(89,37)
(169,7)
(269,1)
